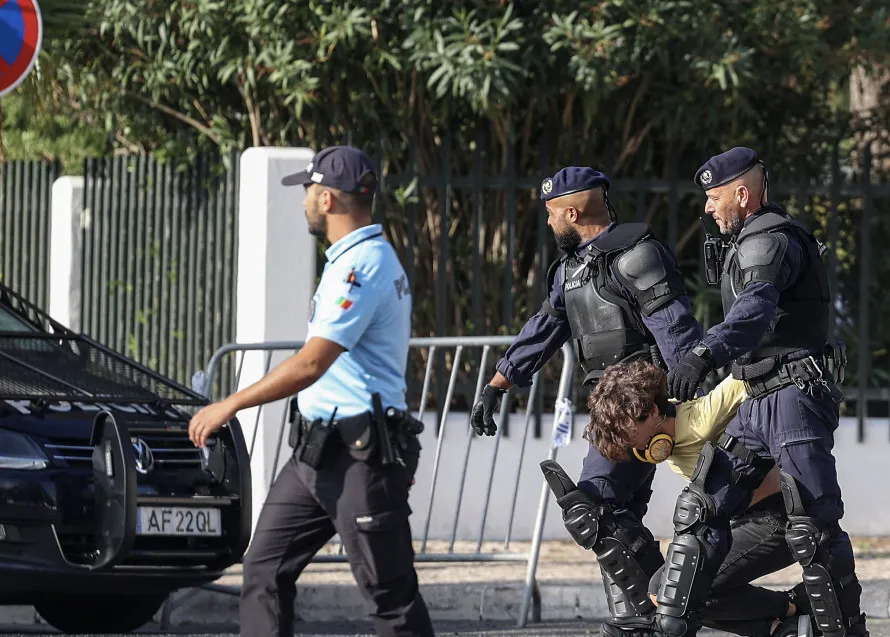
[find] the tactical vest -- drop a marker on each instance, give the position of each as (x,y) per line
(801,320)
(606,327)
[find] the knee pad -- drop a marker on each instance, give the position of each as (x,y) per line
(625,574)
(684,575)
(831,585)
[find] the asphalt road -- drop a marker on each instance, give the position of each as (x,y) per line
(877,628)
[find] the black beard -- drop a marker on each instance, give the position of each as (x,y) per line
(568,241)
(319,229)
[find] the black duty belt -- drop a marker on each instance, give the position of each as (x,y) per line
(813,375)
(382,433)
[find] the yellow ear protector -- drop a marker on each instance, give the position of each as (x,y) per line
(660,445)
(658,449)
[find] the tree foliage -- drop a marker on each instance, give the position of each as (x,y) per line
(647,87)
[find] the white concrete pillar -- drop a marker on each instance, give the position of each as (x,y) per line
(276,280)
(66,266)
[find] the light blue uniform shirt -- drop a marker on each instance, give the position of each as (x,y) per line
(362,303)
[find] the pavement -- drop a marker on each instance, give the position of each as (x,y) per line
(877,628)
(463,596)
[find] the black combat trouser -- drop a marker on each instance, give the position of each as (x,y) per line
(366,503)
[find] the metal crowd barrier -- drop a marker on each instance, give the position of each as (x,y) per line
(457,346)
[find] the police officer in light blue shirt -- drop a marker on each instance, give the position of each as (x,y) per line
(355,446)
(362,303)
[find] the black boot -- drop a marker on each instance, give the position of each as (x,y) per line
(857,627)
(794,626)
(629,627)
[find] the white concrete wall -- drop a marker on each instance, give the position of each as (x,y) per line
(860,470)
(66,270)
(276,280)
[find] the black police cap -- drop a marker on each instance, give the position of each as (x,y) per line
(572,179)
(726,167)
(342,167)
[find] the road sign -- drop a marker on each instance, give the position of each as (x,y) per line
(21,33)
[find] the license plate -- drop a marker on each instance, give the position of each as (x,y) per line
(181,521)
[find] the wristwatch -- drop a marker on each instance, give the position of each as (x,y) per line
(701,350)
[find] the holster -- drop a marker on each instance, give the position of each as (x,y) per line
(315,442)
(359,434)
(296,424)
(388,455)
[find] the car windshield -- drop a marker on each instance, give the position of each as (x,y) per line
(35,364)
(9,322)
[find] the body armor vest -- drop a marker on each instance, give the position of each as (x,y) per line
(801,320)
(606,327)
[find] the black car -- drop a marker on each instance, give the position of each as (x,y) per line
(106,507)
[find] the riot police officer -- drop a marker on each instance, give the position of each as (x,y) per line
(776,301)
(355,449)
(618,293)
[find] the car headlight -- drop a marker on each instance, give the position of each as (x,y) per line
(18,451)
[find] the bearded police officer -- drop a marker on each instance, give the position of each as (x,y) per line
(776,299)
(618,293)
(355,449)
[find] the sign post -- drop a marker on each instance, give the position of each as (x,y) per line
(21,34)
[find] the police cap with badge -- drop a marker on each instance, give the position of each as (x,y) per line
(718,171)
(574,179)
(726,167)
(342,167)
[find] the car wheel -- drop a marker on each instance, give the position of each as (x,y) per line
(99,614)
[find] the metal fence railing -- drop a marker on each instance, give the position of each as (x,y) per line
(25,209)
(159,244)
(474,237)
(456,350)
(158,253)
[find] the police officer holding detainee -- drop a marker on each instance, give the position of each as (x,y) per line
(355,447)
(775,333)
(617,292)
(630,416)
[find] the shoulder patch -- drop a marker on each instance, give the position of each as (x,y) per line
(352,280)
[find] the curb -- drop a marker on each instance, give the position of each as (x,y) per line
(199,607)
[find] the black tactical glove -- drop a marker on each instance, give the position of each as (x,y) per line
(482,416)
(684,380)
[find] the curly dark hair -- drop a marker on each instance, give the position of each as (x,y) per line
(624,397)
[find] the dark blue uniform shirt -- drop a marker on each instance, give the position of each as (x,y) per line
(674,327)
(754,308)
(625,485)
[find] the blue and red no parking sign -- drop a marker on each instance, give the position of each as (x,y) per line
(21,32)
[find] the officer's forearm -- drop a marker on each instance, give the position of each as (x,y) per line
(539,339)
(500,381)
(285,380)
(745,324)
(675,330)
(292,376)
